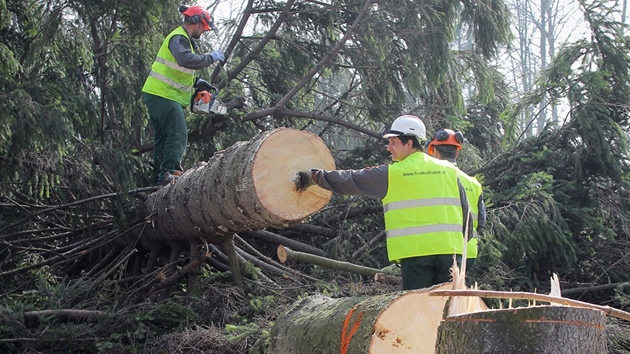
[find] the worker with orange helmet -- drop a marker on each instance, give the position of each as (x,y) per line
(170,85)
(445,145)
(424,203)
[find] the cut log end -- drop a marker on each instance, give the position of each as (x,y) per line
(398,322)
(274,183)
(282,253)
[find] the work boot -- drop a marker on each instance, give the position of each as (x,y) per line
(170,177)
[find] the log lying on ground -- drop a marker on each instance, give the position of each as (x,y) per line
(399,322)
(248,186)
(539,329)
(286,254)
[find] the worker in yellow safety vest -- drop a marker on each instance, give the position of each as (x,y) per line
(424,202)
(445,145)
(170,85)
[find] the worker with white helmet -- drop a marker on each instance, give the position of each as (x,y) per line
(424,203)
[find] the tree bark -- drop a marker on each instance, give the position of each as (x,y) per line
(540,329)
(248,186)
(399,322)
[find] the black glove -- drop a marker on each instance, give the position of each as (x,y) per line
(303,180)
(203,85)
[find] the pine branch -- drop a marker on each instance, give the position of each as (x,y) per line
(69,314)
(75,203)
(286,254)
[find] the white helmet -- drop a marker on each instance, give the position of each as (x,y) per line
(408,125)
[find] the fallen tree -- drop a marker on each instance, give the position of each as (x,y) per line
(399,322)
(249,186)
(538,329)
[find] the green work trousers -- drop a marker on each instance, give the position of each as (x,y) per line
(170,134)
(470,262)
(425,271)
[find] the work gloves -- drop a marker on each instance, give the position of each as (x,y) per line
(217,55)
(203,85)
(303,180)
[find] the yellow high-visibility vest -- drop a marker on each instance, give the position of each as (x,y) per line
(473,193)
(167,79)
(423,211)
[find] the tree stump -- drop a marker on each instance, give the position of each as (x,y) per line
(248,186)
(399,322)
(538,329)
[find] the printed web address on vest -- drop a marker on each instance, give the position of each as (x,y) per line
(416,173)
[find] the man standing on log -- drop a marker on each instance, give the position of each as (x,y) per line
(445,145)
(424,202)
(169,87)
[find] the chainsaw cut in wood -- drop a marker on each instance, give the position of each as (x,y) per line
(207,102)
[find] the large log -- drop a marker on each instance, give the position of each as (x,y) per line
(539,329)
(399,322)
(248,186)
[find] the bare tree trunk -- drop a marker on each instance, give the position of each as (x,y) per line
(400,322)
(540,329)
(248,186)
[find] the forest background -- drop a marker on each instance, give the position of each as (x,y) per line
(540,89)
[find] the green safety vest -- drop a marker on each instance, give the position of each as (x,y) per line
(473,193)
(423,211)
(167,79)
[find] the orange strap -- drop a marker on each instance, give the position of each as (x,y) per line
(345,339)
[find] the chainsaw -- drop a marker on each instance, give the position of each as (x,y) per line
(207,102)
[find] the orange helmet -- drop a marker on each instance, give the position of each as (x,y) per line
(446,137)
(196,14)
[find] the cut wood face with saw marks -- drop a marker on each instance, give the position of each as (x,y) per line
(207,102)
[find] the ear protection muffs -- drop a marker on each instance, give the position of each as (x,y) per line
(442,137)
(430,149)
(427,143)
(194,19)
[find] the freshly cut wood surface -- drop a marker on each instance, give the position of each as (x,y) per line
(248,186)
(409,324)
(280,156)
(399,322)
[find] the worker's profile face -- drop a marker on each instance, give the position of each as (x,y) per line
(399,150)
(197,31)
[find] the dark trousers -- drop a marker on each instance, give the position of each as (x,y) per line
(170,134)
(425,271)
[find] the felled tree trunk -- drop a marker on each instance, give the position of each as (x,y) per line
(399,322)
(248,186)
(540,329)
